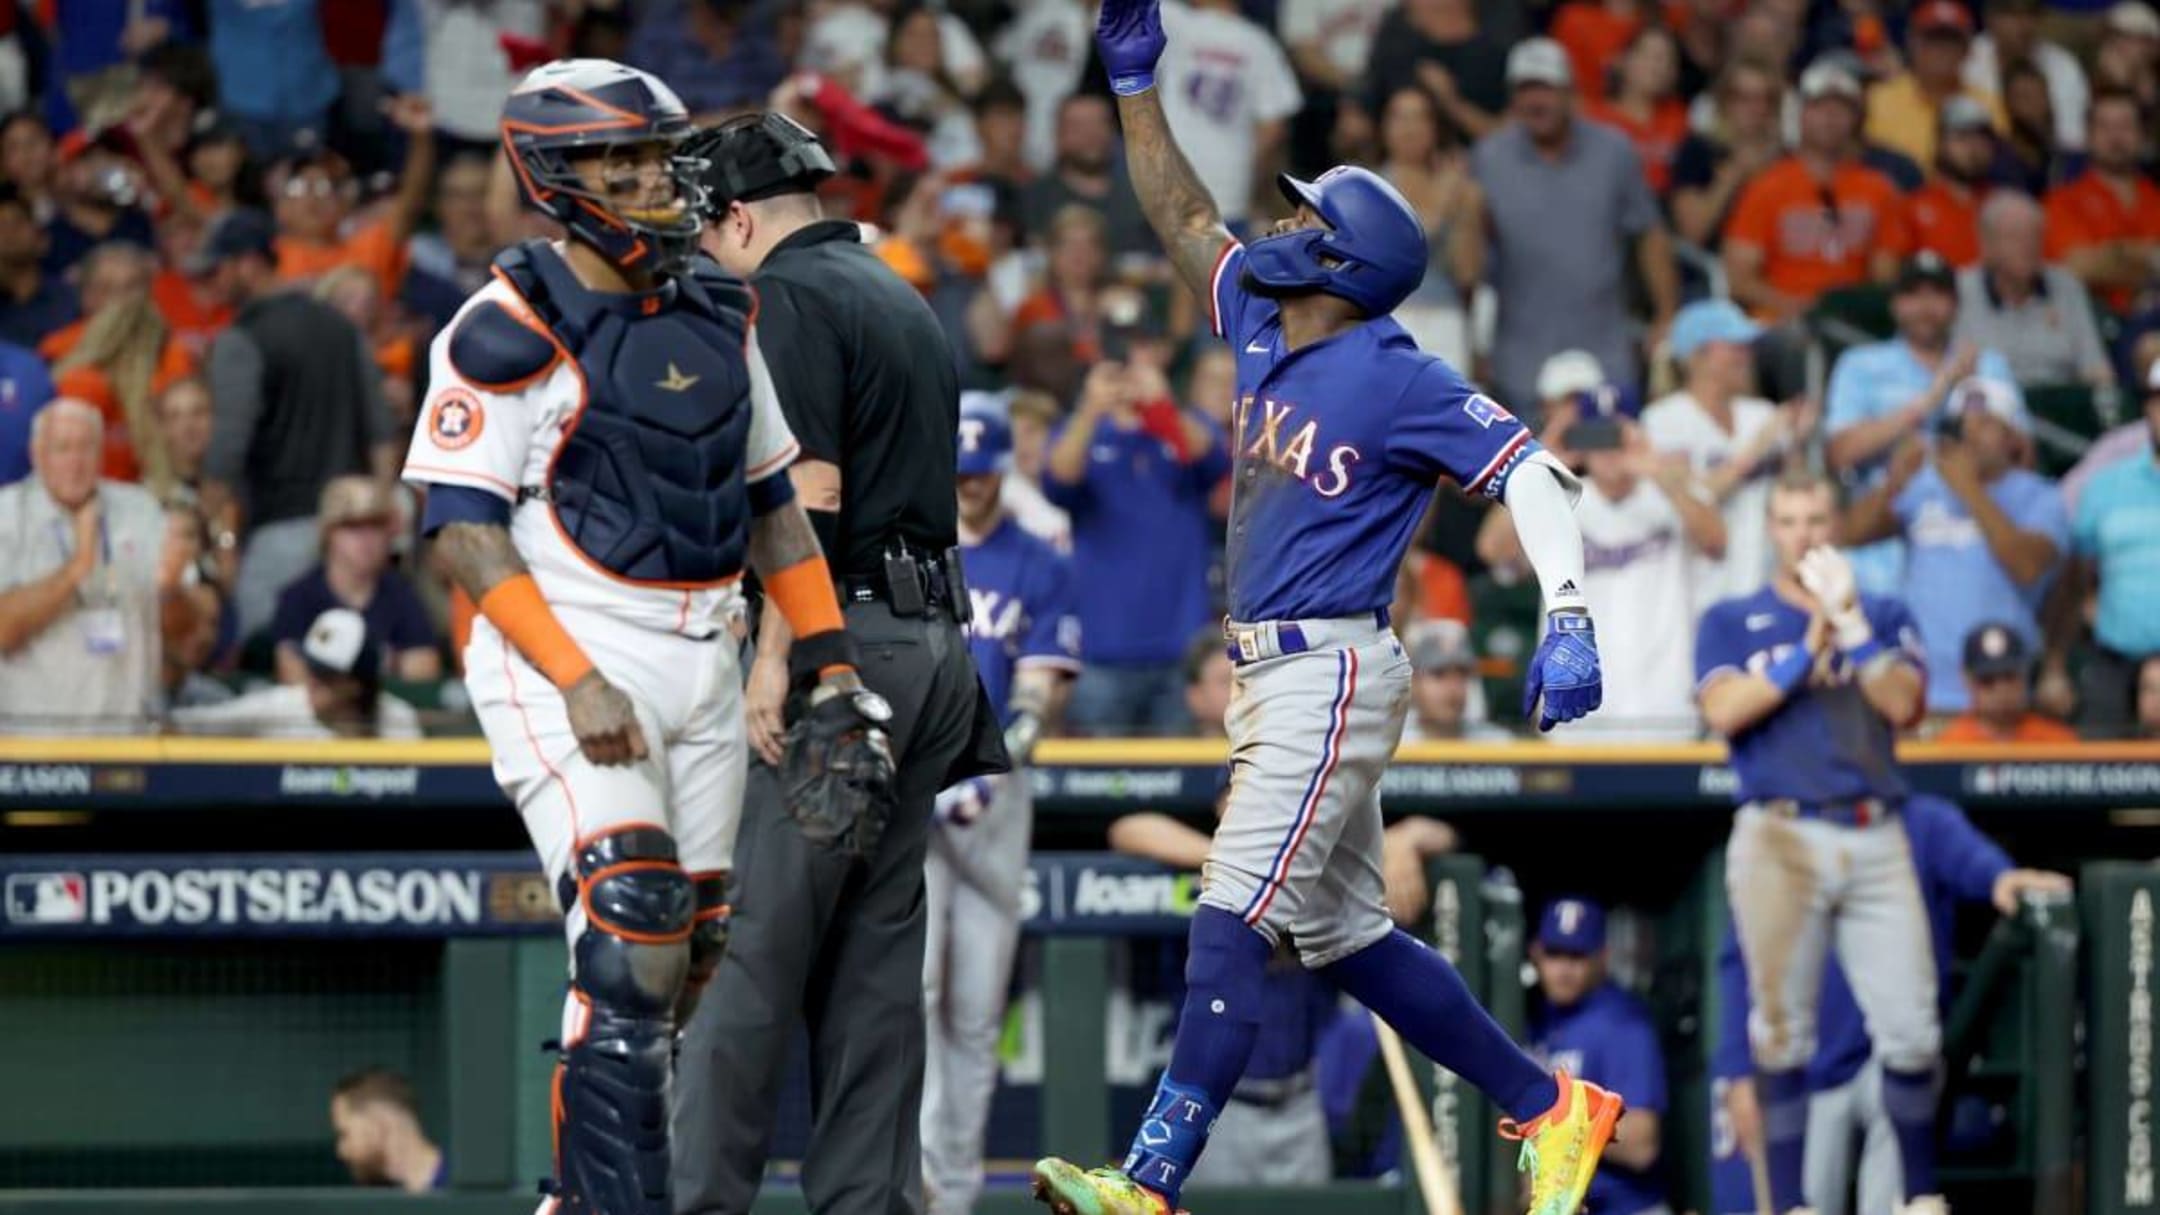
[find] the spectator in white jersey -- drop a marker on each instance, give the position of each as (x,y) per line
(1229,93)
(1641,521)
(341,697)
(1733,440)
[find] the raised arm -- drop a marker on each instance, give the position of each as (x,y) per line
(1177,205)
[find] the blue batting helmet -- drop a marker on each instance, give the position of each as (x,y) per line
(1372,251)
(574,108)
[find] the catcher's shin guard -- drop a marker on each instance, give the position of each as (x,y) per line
(611,1085)
(708,940)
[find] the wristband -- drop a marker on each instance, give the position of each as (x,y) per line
(1791,671)
(515,608)
(820,654)
(1864,653)
(1131,84)
(804,594)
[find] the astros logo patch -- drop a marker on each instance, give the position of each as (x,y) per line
(455,420)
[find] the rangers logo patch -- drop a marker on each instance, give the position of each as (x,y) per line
(1485,411)
(455,419)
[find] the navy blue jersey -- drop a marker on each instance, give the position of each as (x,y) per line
(1338,446)
(1607,1038)
(1023,608)
(1825,743)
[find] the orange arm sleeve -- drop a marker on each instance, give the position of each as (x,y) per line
(804,594)
(514,606)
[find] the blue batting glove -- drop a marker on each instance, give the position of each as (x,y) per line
(1564,672)
(1129,34)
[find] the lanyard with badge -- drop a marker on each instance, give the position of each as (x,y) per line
(104,627)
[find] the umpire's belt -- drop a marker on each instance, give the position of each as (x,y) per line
(934,587)
(1864,812)
(1273,1092)
(1275,638)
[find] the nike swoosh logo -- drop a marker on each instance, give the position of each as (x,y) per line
(1256,348)
(1760,620)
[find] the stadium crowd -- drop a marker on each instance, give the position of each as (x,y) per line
(1693,241)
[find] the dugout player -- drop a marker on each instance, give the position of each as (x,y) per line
(828,922)
(1809,682)
(1343,429)
(1025,637)
(1956,864)
(603,457)
(1589,1026)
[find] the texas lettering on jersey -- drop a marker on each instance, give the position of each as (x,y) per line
(1269,431)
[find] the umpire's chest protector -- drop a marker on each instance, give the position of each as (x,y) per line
(647,481)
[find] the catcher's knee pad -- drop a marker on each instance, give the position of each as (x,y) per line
(708,940)
(611,1087)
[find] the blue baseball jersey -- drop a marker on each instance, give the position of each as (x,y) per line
(1337,448)
(1825,743)
(1607,1039)
(1023,612)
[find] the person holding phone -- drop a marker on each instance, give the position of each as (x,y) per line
(1136,471)
(1983,536)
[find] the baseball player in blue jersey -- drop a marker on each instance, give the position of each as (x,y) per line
(1594,1028)
(1809,681)
(1342,430)
(1955,864)
(1025,639)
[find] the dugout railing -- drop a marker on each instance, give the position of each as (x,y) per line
(118,1039)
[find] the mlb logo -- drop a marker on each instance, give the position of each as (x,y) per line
(47,898)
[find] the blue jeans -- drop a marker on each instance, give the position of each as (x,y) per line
(1112,700)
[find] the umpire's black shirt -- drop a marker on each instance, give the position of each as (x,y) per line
(866,379)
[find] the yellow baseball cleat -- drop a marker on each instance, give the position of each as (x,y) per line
(1560,1147)
(1067,1189)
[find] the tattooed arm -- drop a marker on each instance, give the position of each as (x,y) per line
(1176,204)
(479,558)
(1129,35)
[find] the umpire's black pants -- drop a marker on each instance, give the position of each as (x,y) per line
(837,947)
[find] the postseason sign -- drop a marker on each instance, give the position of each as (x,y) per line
(272,896)
(454,895)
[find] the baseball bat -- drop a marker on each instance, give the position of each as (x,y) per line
(1435,1181)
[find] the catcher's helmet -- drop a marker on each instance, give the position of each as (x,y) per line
(570,108)
(1372,251)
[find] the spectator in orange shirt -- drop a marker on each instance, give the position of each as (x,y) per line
(1595,32)
(1946,211)
(119,359)
(1903,111)
(1075,272)
(183,416)
(1998,682)
(1818,218)
(1646,105)
(313,193)
(2105,223)
(195,312)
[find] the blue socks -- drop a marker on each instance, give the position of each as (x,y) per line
(1215,1036)
(1421,994)
(1783,1096)
(1908,1100)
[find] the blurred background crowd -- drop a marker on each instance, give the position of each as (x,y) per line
(1692,240)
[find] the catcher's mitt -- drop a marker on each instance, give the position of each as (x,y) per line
(836,778)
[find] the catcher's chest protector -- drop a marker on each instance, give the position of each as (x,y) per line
(648,480)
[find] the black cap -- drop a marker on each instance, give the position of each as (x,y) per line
(1996,649)
(1926,269)
(756,156)
(237,232)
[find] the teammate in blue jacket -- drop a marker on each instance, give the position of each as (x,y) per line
(1589,1026)
(1342,428)
(1956,864)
